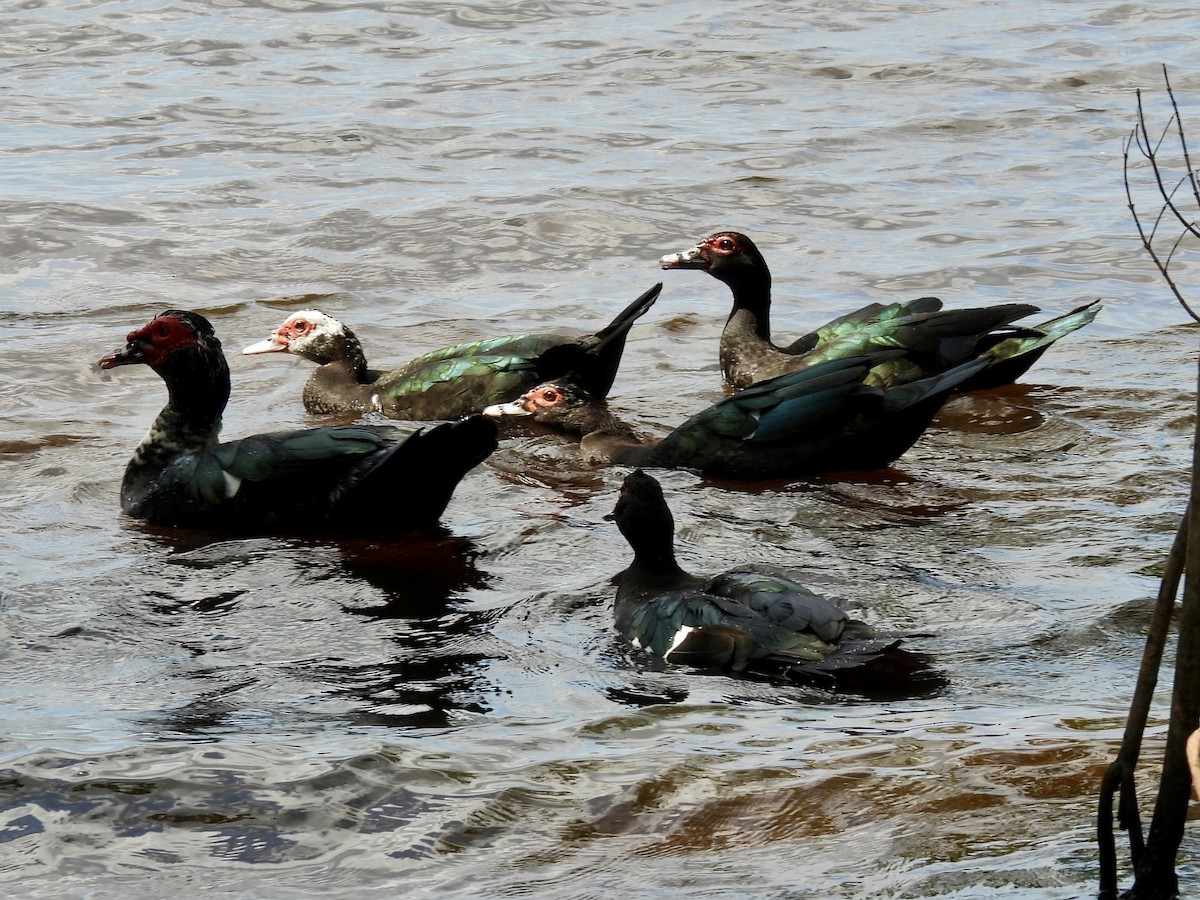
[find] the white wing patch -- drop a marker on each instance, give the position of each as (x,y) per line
(232,484)
(680,637)
(757,416)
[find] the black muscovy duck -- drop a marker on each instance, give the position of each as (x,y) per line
(751,617)
(451,382)
(348,478)
(821,419)
(937,338)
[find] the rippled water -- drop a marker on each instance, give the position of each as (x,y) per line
(454,716)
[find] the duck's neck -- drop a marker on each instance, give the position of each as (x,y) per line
(350,355)
(189,423)
(650,530)
(746,339)
(341,353)
(751,313)
(606,423)
(607,439)
(657,558)
(652,572)
(338,387)
(586,416)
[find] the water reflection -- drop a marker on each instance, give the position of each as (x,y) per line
(370,630)
(420,576)
(1011,409)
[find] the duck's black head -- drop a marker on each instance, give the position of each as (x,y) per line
(644,518)
(183,349)
(728,256)
(168,333)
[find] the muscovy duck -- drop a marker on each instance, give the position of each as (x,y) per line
(751,617)
(451,382)
(820,419)
(349,478)
(939,338)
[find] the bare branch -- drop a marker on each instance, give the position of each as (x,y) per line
(1187,159)
(1151,151)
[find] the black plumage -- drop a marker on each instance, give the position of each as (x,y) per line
(820,419)
(349,478)
(750,617)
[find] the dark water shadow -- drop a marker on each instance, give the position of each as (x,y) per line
(1007,409)
(893,495)
(410,590)
(419,574)
(420,577)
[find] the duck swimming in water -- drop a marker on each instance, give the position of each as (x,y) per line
(749,617)
(351,478)
(938,339)
(451,382)
(821,419)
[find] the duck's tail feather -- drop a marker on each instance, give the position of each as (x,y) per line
(940,385)
(891,672)
(594,360)
(953,335)
(409,485)
(1013,353)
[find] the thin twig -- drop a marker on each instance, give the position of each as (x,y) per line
(1187,158)
(1150,150)
(1155,877)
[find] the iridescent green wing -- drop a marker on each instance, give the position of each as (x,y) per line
(455,386)
(519,346)
(867,316)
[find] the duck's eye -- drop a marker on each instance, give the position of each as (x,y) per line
(163,330)
(302,325)
(726,245)
(550,395)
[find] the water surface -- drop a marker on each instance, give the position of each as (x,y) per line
(452,715)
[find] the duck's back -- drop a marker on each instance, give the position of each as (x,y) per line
(354,478)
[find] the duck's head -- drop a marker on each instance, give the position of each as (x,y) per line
(727,256)
(166,337)
(560,404)
(310,334)
(183,349)
(642,514)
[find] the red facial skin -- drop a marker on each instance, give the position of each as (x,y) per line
(541,399)
(724,243)
(292,330)
(151,343)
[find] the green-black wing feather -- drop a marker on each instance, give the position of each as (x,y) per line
(453,386)
(741,634)
(304,479)
(869,315)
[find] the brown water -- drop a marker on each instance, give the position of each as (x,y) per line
(454,717)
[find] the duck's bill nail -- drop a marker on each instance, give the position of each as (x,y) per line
(126,356)
(688,259)
(270,345)
(515,408)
